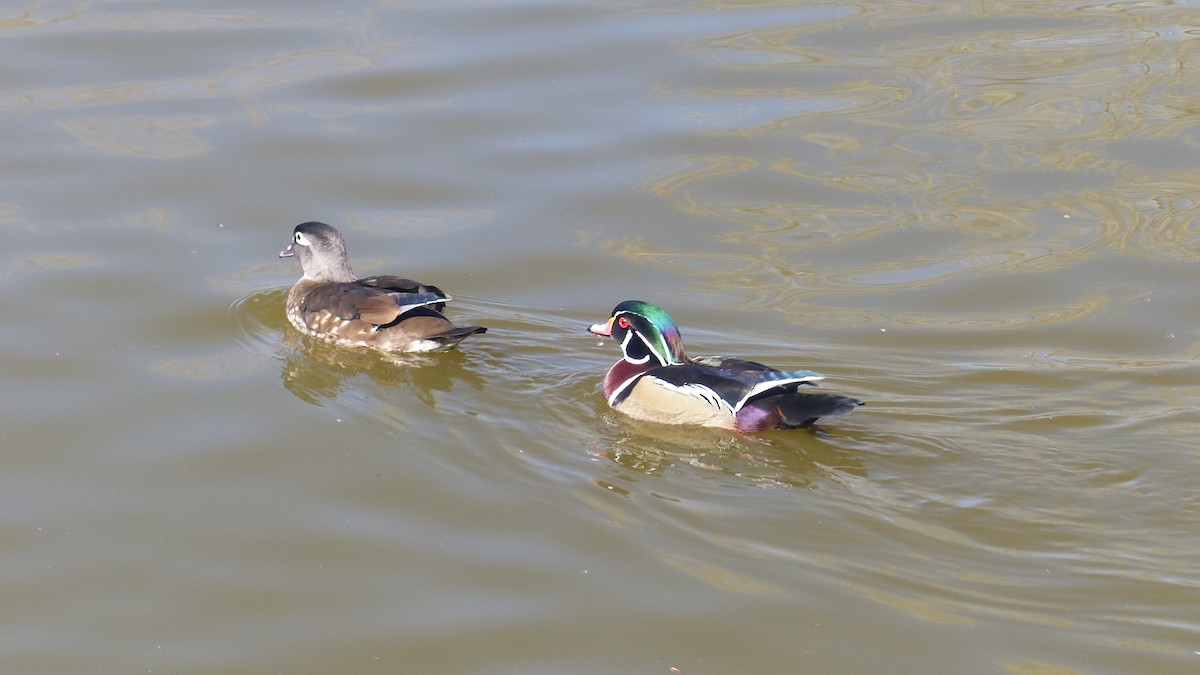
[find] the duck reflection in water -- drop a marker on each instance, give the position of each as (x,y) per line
(314,370)
(650,449)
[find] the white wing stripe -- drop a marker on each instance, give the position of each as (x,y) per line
(775,384)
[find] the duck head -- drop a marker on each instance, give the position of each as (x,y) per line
(645,332)
(322,252)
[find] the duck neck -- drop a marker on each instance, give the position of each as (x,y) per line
(336,271)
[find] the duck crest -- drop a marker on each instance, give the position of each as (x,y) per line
(669,341)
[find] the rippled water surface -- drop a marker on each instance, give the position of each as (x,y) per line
(978,217)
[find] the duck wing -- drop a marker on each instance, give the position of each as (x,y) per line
(739,381)
(733,382)
(354,301)
(394,284)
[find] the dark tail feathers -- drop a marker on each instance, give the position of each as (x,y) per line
(802,410)
(456,335)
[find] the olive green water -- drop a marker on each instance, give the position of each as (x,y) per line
(978,217)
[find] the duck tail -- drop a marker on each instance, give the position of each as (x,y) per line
(456,335)
(802,410)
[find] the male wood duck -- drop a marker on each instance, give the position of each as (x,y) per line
(385,312)
(657,381)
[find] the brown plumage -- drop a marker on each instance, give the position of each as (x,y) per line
(389,313)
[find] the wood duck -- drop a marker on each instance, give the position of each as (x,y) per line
(657,381)
(384,312)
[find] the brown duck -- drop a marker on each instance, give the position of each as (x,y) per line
(389,313)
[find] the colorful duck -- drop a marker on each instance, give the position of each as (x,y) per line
(657,381)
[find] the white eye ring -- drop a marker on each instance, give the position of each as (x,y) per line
(301,239)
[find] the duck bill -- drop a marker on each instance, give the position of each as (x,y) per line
(287,252)
(604,329)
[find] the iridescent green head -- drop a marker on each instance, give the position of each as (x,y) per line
(644,331)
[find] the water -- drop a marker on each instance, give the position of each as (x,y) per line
(978,218)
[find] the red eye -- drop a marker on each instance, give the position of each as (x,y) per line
(622,322)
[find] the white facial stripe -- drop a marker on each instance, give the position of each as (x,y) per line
(302,240)
(662,358)
(624,349)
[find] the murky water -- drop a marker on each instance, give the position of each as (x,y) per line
(980,218)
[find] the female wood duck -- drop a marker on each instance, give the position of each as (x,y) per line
(385,312)
(657,381)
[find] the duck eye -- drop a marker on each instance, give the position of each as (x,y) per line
(301,239)
(623,322)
